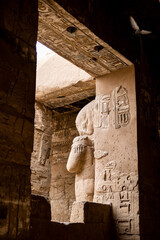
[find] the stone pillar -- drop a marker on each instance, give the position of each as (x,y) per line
(116,162)
(18,27)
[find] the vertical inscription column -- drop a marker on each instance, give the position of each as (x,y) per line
(116,163)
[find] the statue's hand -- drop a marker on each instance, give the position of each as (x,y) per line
(79,148)
(76,156)
(79,144)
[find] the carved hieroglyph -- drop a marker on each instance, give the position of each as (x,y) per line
(101,111)
(121,190)
(98,154)
(121,107)
(81,158)
(60,31)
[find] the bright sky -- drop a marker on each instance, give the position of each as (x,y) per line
(42,51)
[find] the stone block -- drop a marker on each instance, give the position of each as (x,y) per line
(60,210)
(89,212)
(70,187)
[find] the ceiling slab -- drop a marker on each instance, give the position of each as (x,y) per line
(65,35)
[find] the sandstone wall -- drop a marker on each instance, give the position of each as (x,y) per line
(116,173)
(40,163)
(18,27)
(62,193)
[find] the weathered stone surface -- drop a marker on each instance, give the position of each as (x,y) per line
(87,212)
(20,21)
(40,163)
(61,32)
(110,21)
(62,192)
(14,201)
(110,120)
(81,158)
(116,174)
(17,94)
(17,25)
(59,83)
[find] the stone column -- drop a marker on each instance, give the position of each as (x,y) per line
(116,162)
(18,27)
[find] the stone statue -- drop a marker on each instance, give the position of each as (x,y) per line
(81,158)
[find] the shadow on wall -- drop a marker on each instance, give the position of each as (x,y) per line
(97,222)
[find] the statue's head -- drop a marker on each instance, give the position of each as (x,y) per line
(84,120)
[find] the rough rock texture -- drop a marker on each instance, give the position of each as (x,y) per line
(62,193)
(40,163)
(18,27)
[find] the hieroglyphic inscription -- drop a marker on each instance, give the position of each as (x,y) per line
(121,107)
(81,46)
(101,111)
(124,225)
(98,154)
(120,190)
(105,184)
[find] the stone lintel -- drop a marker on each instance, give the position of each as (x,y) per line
(65,35)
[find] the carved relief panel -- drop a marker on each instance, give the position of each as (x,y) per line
(121,107)
(120,190)
(101,111)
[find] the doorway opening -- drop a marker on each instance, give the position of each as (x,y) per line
(62,90)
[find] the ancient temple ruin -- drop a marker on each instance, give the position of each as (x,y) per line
(93,169)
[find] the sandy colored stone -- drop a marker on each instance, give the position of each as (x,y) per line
(81,158)
(82,46)
(59,82)
(116,174)
(87,212)
(62,185)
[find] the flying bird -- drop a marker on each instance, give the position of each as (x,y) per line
(137,29)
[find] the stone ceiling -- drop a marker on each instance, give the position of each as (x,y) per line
(65,35)
(60,83)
